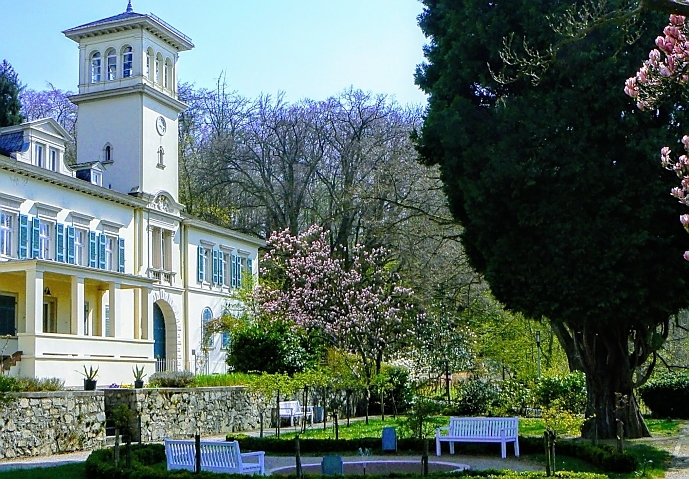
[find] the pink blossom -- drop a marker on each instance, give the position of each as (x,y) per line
(686,255)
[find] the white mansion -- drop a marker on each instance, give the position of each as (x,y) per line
(99,265)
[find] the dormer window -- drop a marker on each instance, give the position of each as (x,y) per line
(95,67)
(96,178)
(39,156)
(111,58)
(127,57)
(53,156)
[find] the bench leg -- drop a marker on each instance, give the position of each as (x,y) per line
(452,447)
(503,449)
(516,447)
(437,446)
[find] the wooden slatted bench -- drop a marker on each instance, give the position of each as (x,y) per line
(216,456)
(480,429)
(292,410)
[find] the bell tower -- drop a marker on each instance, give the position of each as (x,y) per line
(128,105)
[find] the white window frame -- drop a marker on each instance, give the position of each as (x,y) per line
(96,178)
(111,248)
(81,246)
(111,64)
(39,152)
(95,67)
(7,233)
(127,61)
(53,159)
(45,239)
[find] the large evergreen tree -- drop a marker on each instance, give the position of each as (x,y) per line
(10,87)
(558,186)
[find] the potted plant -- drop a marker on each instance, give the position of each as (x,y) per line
(89,378)
(138,376)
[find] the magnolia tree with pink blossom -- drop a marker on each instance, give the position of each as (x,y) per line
(664,74)
(358,304)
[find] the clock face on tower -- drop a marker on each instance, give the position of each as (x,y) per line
(160,125)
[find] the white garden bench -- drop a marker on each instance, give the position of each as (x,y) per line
(292,410)
(479,429)
(216,456)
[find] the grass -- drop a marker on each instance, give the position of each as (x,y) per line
(663,427)
(68,471)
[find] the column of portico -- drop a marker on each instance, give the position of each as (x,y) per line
(114,292)
(77,290)
(34,301)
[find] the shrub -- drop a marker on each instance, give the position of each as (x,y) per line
(514,397)
(230,379)
(568,390)
(475,397)
(667,395)
(40,384)
(171,379)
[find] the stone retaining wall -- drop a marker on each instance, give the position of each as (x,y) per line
(45,423)
(184,412)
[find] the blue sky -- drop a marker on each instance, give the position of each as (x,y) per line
(306,48)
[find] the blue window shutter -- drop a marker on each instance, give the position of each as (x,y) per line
(60,242)
(101,250)
(23,250)
(221,268)
(201,265)
(93,250)
(215,266)
(250,266)
(225,340)
(233,270)
(70,245)
(35,237)
(120,255)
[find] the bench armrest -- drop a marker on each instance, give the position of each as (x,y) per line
(256,453)
(440,429)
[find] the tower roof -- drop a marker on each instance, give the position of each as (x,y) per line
(129,20)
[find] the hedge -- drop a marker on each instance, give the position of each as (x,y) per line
(148,462)
(603,456)
(667,395)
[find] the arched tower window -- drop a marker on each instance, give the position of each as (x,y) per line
(127,57)
(95,67)
(159,59)
(111,59)
(206,316)
(166,74)
(149,59)
(161,157)
(107,153)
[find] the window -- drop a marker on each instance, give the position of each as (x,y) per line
(110,253)
(111,59)
(80,246)
(148,64)
(95,67)
(208,267)
(6,233)
(205,318)
(52,159)
(127,56)
(161,157)
(107,154)
(45,239)
(96,178)
(49,314)
(157,70)
(107,321)
(39,156)
(166,74)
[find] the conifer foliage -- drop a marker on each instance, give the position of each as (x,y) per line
(10,106)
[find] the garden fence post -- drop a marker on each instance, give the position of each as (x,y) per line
(197,451)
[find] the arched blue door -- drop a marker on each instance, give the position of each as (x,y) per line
(158,334)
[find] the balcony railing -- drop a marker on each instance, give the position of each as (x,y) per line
(162,276)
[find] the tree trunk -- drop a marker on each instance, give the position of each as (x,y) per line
(606,361)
